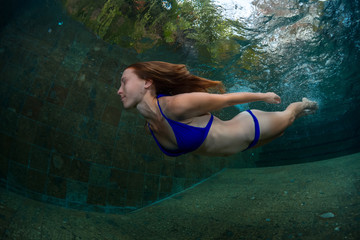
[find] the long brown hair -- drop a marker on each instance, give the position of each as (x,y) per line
(172,79)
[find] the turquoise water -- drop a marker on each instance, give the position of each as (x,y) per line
(296,49)
(65,138)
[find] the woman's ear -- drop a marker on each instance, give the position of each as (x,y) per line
(148,83)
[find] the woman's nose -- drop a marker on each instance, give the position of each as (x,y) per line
(119,91)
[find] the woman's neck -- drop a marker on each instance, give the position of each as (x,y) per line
(148,108)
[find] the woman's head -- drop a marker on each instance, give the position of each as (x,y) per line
(172,79)
(133,88)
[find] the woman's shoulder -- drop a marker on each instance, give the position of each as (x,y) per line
(165,104)
(185,105)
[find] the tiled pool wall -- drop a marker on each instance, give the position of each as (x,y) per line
(65,138)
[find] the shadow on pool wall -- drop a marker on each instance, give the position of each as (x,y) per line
(66,140)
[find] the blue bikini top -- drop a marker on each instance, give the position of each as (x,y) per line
(188,138)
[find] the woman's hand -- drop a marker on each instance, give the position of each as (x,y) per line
(271,97)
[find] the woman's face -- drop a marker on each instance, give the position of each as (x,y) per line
(132,89)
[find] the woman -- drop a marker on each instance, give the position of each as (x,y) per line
(177,106)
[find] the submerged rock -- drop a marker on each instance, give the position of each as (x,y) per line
(327,215)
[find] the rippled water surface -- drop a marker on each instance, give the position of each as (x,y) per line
(302,48)
(295,48)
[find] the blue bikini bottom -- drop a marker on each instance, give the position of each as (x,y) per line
(257,131)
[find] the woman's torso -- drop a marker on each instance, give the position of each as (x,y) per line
(223,138)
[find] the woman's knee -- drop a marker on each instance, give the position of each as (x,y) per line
(289,117)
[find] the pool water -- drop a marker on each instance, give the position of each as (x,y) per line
(294,48)
(65,138)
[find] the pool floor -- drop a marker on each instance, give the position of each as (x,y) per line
(318,200)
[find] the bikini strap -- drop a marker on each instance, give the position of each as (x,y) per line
(161,95)
(161,110)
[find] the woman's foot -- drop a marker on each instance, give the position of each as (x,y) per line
(299,109)
(309,107)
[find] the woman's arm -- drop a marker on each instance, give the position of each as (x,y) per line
(188,105)
(246,97)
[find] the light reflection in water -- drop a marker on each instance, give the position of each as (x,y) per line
(292,45)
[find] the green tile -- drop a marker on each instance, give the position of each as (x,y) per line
(36,181)
(32,107)
(27,129)
(97,195)
(79,170)
(39,158)
(60,165)
(21,152)
(76,192)
(99,175)
(56,187)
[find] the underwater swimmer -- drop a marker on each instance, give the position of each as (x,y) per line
(177,106)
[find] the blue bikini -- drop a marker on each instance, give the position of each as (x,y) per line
(190,138)
(257,131)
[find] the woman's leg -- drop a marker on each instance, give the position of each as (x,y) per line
(273,124)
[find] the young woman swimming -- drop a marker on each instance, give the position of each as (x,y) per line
(177,106)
